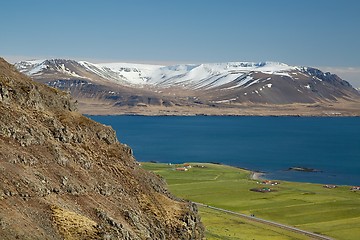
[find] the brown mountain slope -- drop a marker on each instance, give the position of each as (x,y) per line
(63,176)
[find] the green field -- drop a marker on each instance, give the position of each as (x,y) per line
(331,212)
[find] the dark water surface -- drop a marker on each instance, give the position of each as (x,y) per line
(269,144)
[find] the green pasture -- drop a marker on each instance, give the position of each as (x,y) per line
(221,226)
(332,212)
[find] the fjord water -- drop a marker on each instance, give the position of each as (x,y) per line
(268,144)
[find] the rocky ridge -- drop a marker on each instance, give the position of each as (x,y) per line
(64,176)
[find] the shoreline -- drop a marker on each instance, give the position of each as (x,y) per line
(333,109)
(256,175)
(222,115)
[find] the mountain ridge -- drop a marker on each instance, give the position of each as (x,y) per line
(200,86)
(154,74)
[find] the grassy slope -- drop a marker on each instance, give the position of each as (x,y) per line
(332,212)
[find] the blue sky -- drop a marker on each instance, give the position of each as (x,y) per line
(296,32)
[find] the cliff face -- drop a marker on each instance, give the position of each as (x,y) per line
(63,175)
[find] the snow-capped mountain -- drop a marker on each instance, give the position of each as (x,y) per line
(208,84)
(191,76)
(38,67)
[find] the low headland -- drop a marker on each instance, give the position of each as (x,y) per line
(304,169)
(330,210)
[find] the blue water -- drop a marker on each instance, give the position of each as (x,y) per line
(268,144)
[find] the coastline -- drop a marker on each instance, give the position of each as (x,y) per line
(257,175)
(335,109)
(255,128)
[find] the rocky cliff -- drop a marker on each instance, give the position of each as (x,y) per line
(64,176)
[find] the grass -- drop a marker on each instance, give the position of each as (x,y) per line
(331,212)
(220,225)
(74,226)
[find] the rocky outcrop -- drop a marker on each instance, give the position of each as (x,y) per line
(64,176)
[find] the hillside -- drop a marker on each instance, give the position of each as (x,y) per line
(235,88)
(64,176)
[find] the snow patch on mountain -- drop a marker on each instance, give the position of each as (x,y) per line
(30,67)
